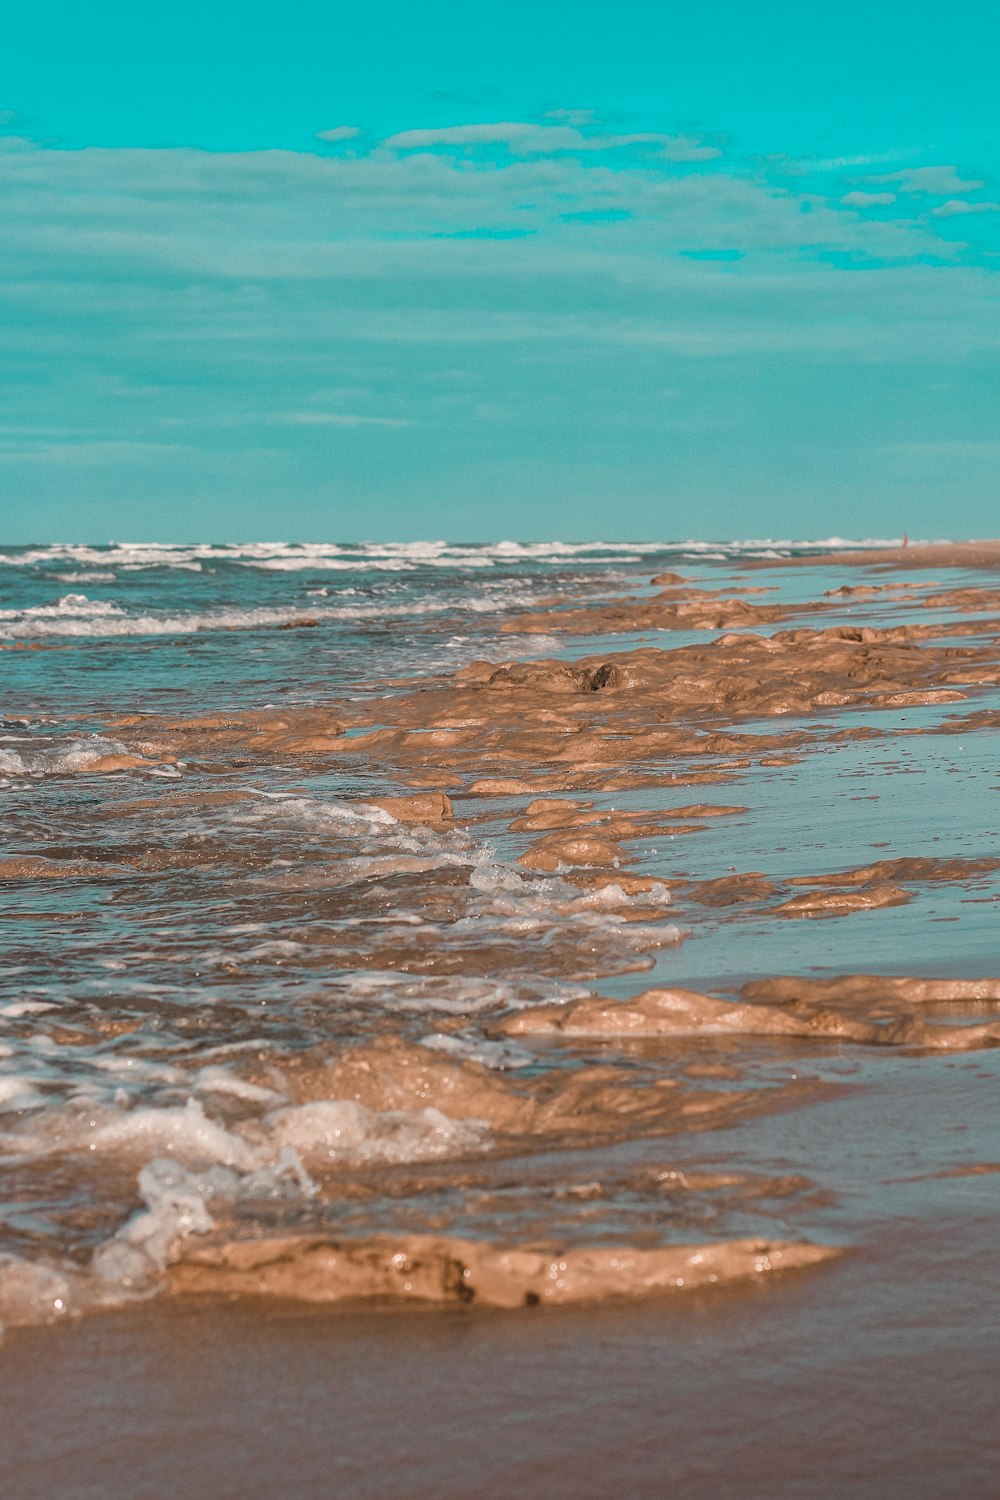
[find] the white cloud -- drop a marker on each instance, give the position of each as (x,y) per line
(572,116)
(938,181)
(868,200)
(339,133)
(301,287)
(341,322)
(406,218)
(955,206)
(526,139)
(814,166)
(499,133)
(687,148)
(837,163)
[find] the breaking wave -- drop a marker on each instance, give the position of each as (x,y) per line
(397,556)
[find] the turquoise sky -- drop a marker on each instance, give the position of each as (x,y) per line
(540,271)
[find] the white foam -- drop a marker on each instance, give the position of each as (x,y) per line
(45,621)
(506,901)
(59,758)
(18,1092)
(498,1055)
(342,1129)
(449,994)
(176,1207)
(614,898)
(824,544)
(31,1292)
(112,621)
(16,1008)
(398,556)
(183,1131)
(70,606)
(97,575)
(178,1202)
(384,845)
(96,1121)
(217,1079)
(334,1129)
(525,903)
(293,555)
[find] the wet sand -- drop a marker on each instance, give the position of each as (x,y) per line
(600,1015)
(983,554)
(876,1381)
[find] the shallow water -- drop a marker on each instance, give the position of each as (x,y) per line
(182,937)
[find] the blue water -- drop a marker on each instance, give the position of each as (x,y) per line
(143,627)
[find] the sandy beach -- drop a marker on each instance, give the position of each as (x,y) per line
(621,996)
(984,554)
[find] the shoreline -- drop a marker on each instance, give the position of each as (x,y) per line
(575,771)
(977,554)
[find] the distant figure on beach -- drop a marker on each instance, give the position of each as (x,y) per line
(906,539)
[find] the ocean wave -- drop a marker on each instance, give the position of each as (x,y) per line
(100,618)
(293,555)
(75,615)
(397,556)
(69,607)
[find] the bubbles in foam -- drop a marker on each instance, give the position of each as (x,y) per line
(57,757)
(176,1207)
(449,994)
(184,1131)
(342,1129)
(334,1129)
(614,898)
(32,1292)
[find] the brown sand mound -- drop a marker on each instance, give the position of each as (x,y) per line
(843,903)
(597,1101)
(667,611)
(685,1013)
(903,869)
(421,1268)
(865,988)
(424,807)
